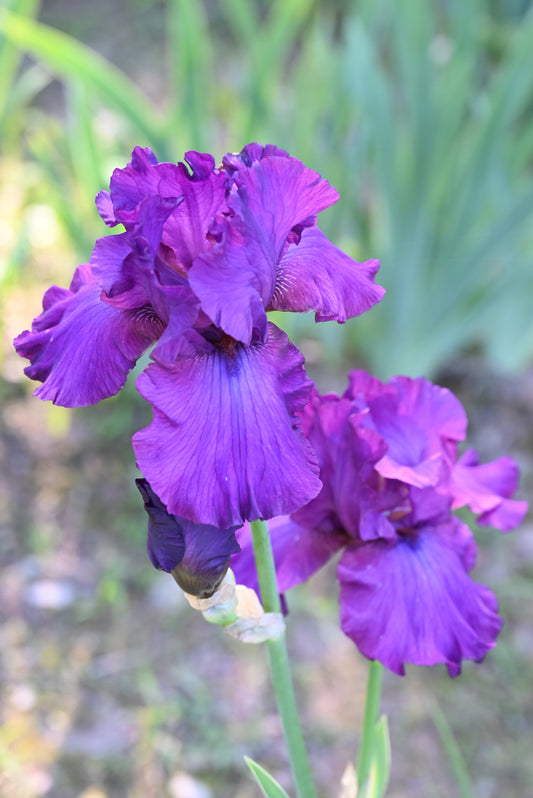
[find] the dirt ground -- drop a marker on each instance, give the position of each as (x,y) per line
(112,686)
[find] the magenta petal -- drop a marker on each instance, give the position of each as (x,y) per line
(316,275)
(421,423)
(203,190)
(224,445)
(486,488)
(81,348)
(413,601)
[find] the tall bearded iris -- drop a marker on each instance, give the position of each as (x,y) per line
(204,254)
(391,477)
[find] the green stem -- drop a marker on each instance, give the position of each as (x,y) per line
(279,665)
(373,694)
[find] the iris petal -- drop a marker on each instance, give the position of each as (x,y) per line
(486,488)
(412,601)
(201,193)
(273,197)
(82,348)
(314,275)
(225,443)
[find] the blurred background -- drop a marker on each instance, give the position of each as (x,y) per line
(421,115)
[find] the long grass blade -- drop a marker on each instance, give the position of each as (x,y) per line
(71,60)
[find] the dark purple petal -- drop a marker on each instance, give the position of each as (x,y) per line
(81,348)
(298,553)
(316,275)
(235,281)
(224,445)
(486,489)
(166,541)
(412,601)
(197,555)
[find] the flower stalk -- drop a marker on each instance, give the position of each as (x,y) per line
(368,733)
(279,665)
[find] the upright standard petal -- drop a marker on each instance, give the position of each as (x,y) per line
(412,601)
(272,199)
(225,445)
(199,196)
(420,422)
(81,348)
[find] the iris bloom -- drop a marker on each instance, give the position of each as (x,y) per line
(388,462)
(205,253)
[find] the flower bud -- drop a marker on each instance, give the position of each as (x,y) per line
(197,555)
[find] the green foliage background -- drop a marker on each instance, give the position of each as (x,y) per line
(419,113)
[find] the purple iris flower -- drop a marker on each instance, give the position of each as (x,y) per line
(391,477)
(206,251)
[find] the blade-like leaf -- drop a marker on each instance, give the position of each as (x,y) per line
(379,773)
(269,786)
(72,60)
(9,54)
(190,70)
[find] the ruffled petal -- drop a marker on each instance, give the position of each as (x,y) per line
(412,601)
(204,188)
(272,199)
(275,194)
(347,452)
(298,553)
(125,265)
(421,424)
(197,555)
(82,348)
(225,445)
(314,275)
(199,195)
(231,280)
(486,489)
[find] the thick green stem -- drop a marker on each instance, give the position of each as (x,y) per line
(279,665)
(373,695)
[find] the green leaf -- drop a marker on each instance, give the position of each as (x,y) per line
(72,60)
(453,751)
(9,55)
(269,786)
(190,70)
(379,771)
